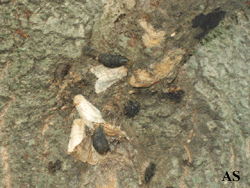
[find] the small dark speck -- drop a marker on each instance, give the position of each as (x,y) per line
(150,172)
(174,95)
(89,52)
(119,18)
(53,167)
(132,109)
(82,82)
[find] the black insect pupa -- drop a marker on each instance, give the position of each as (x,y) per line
(100,142)
(88,51)
(61,71)
(149,172)
(112,61)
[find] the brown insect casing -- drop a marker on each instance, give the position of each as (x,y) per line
(61,71)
